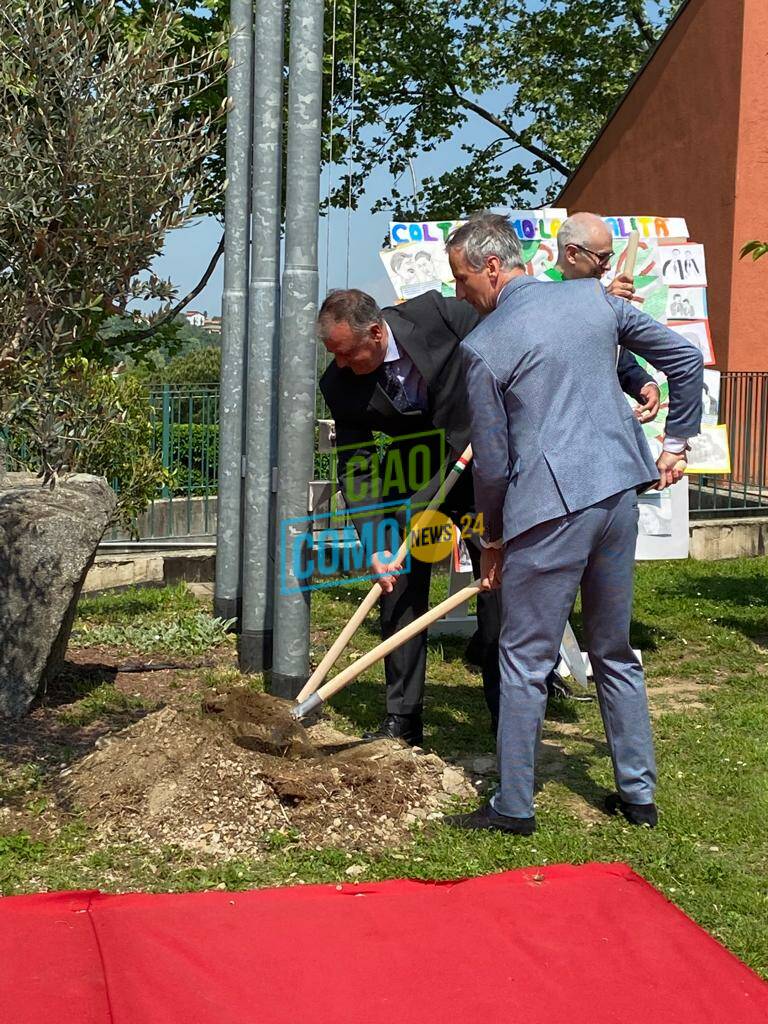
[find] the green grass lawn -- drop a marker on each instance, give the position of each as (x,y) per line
(703,630)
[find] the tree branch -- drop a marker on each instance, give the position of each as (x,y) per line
(509,131)
(170,316)
(642,21)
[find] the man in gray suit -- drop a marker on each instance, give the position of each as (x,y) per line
(559,458)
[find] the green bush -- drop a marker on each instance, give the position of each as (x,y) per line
(198,366)
(194,458)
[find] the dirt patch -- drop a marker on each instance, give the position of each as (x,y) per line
(673,695)
(210,782)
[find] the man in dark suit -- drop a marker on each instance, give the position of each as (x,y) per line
(397,371)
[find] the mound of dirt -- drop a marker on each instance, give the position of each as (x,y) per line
(227,781)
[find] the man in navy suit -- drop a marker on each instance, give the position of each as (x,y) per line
(558,460)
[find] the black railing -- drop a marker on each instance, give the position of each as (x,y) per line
(744,492)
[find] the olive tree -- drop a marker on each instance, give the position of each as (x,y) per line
(103,149)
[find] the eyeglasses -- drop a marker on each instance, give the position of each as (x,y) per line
(603,258)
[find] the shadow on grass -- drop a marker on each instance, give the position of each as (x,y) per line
(74,681)
(81,705)
(644,636)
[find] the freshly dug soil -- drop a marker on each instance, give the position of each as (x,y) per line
(227,780)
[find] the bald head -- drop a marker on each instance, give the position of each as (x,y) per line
(584,246)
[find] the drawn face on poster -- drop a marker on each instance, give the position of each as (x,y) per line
(687,304)
(709,451)
(418,268)
(696,333)
(683,265)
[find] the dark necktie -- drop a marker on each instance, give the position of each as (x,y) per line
(393,388)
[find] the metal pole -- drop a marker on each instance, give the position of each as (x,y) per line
(263,342)
(296,411)
(234,310)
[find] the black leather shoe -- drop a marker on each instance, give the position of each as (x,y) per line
(399,727)
(487,818)
(636,814)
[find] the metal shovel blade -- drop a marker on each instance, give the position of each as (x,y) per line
(570,652)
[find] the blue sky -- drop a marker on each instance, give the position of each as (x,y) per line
(188,250)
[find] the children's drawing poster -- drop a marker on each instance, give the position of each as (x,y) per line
(696,333)
(649,286)
(709,452)
(687,304)
(683,265)
(417,268)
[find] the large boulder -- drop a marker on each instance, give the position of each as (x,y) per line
(48,540)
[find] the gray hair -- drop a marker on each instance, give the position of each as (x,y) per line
(484,235)
(351,306)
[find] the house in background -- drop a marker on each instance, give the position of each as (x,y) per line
(195,317)
(690,139)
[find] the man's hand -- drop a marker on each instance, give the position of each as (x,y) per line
(623,287)
(490,568)
(386,570)
(671,467)
(649,411)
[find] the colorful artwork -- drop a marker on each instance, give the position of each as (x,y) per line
(687,304)
(402,232)
(709,452)
(683,264)
(649,285)
(418,268)
(696,332)
(650,228)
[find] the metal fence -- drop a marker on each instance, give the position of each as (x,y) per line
(187,434)
(743,406)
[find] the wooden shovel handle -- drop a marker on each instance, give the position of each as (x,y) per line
(631,254)
(386,647)
(373,595)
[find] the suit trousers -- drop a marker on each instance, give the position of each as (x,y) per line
(406,667)
(542,571)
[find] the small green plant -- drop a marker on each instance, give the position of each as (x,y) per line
(190,634)
(137,603)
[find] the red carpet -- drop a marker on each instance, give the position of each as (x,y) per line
(577,945)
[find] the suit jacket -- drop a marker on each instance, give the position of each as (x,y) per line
(551,431)
(429,328)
